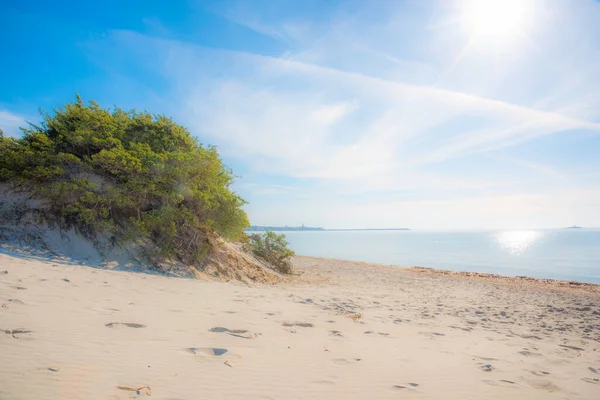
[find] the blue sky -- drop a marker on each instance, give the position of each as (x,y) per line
(423,114)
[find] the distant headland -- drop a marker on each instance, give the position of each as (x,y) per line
(262,228)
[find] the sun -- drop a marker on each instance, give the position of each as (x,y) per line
(496,18)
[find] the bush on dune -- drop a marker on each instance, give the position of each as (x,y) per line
(131,174)
(272,248)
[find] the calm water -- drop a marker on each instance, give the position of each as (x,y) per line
(572,254)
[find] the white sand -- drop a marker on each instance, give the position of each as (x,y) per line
(421,336)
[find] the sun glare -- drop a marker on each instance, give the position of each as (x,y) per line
(517,242)
(496,18)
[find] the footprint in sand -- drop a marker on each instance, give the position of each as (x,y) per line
(324,382)
(432,334)
(530,354)
(571,347)
(594,370)
(409,385)
(19,287)
(127,324)
(594,381)
(379,333)
(220,329)
(545,385)
(501,382)
(539,373)
(346,361)
(241,333)
(208,351)
(460,327)
(336,333)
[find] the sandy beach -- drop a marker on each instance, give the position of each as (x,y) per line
(338,330)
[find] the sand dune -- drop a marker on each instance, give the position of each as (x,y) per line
(341,330)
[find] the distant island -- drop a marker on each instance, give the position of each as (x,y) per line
(261,228)
(573,227)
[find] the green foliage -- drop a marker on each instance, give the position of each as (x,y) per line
(272,248)
(132,174)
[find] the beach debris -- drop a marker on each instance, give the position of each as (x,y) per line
(127,324)
(325,348)
(228,364)
(14,332)
(53,368)
(336,333)
(300,324)
(487,368)
(5,272)
(66,280)
(138,390)
(19,287)
(355,317)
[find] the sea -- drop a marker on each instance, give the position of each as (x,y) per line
(570,254)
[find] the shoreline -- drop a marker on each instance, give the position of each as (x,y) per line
(521,281)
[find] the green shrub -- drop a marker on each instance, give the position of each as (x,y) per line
(272,248)
(133,174)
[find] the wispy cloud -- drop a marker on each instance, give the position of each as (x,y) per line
(10,123)
(376,101)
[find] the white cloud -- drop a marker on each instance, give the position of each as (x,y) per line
(10,123)
(379,102)
(340,124)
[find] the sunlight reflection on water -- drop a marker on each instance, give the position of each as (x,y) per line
(517,242)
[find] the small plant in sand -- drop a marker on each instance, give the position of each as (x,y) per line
(272,248)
